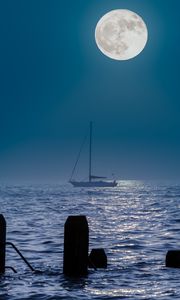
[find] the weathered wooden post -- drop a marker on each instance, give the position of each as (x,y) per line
(2,244)
(98,258)
(76,244)
(173,259)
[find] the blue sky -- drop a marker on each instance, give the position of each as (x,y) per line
(54,80)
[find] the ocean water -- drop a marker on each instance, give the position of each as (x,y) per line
(136,223)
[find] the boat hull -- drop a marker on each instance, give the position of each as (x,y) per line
(94,183)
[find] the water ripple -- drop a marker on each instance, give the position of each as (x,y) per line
(136,223)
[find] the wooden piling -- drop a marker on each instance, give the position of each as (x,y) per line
(2,244)
(76,244)
(98,258)
(173,259)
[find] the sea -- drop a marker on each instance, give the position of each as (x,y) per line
(136,223)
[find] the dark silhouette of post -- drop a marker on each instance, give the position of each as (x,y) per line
(2,244)
(173,259)
(97,258)
(76,244)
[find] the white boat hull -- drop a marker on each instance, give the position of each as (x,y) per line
(94,183)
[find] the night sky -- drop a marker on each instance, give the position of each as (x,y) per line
(54,80)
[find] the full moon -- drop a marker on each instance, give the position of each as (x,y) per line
(121,34)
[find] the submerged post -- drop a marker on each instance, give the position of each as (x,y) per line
(173,259)
(98,258)
(76,244)
(2,244)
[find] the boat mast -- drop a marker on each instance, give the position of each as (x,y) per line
(90,149)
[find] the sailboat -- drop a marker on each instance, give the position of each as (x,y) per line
(94,181)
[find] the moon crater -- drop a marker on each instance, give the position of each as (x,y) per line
(121,34)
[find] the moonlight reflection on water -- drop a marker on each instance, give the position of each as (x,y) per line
(135,222)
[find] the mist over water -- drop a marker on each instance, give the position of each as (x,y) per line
(136,223)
